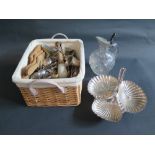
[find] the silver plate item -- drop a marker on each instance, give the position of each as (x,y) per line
(42,73)
(50,48)
(106,110)
(131,97)
(103,86)
(47,61)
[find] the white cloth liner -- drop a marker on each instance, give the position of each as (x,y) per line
(34,91)
(76,44)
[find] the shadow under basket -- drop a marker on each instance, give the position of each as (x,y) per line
(49,91)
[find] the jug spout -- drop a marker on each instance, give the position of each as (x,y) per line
(103,43)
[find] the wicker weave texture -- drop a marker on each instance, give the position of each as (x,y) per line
(53,96)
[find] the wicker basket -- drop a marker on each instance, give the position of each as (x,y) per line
(51,92)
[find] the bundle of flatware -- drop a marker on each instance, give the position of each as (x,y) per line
(48,62)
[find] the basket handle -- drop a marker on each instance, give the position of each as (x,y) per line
(34,91)
(59,34)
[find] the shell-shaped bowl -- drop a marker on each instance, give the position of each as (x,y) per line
(102,87)
(131,96)
(105,110)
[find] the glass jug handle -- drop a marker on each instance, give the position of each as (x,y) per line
(114,49)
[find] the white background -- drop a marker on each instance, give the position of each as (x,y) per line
(115,9)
